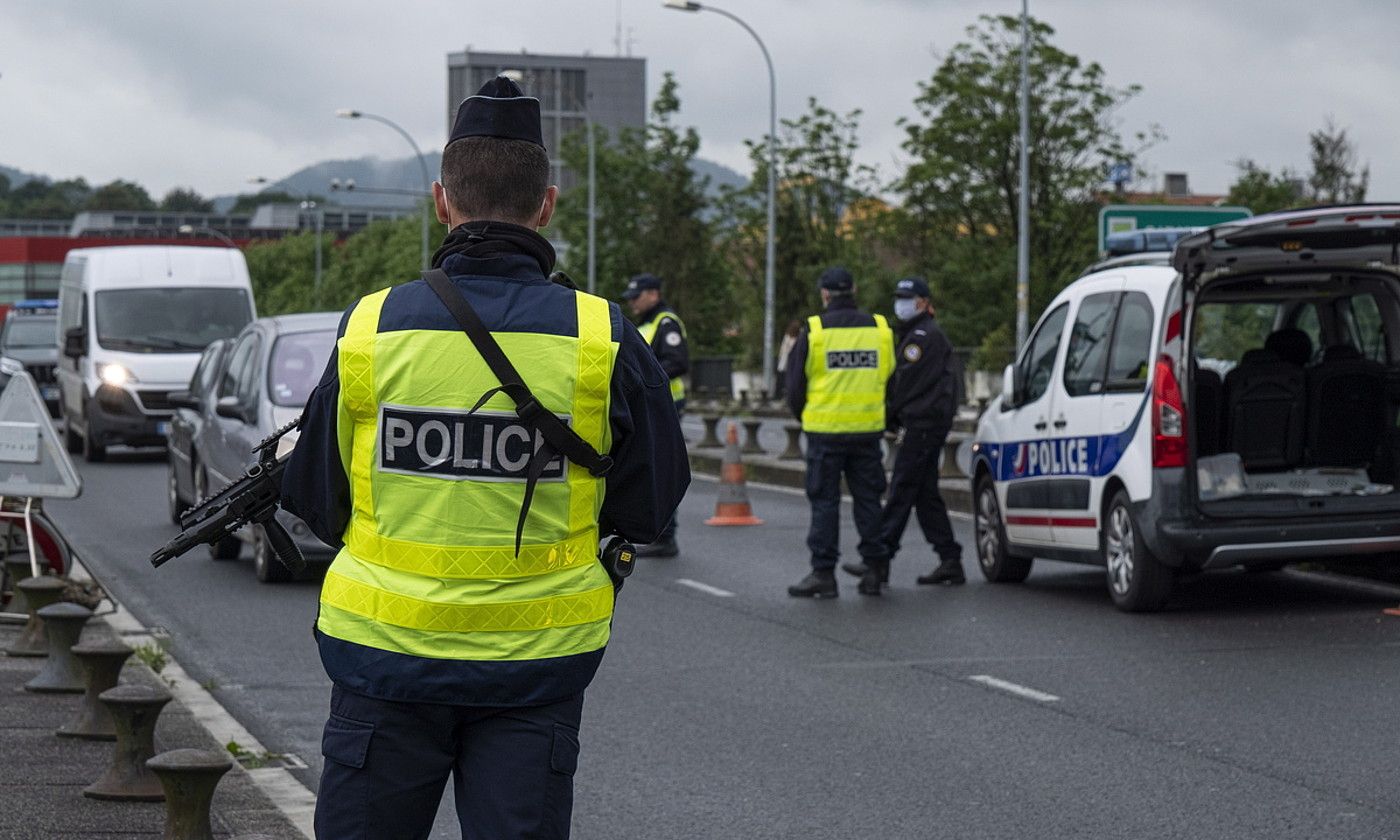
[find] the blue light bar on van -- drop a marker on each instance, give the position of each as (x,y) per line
(37,305)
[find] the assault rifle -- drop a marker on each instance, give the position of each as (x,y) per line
(251,499)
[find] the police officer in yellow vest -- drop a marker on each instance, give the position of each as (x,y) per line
(836,377)
(662,328)
(467,609)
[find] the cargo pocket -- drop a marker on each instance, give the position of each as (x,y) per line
(346,741)
(563,757)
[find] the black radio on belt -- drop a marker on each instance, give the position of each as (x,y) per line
(618,557)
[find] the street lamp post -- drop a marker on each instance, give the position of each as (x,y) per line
(193,229)
(768,282)
(1023,224)
(352,114)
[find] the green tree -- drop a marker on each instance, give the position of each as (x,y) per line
(37,199)
(1263,191)
(186,200)
(961,188)
(826,215)
(651,216)
(120,195)
(1337,176)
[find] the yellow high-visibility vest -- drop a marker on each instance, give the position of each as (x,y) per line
(847,368)
(429,566)
(648,331)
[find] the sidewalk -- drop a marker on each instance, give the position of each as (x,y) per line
(42,776)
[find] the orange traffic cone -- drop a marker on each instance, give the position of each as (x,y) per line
(732,506)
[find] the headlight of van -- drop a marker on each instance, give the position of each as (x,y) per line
(115,374)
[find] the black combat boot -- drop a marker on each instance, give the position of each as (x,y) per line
(949,572)
(661,548)
(821,583)
(877,573)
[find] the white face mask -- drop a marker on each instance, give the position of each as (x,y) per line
(905,308)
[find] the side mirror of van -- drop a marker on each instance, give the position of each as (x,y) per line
(1008,387)
(75,342)
(231,408)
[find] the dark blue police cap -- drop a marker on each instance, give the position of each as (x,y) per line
(837,279)
(639,284)
(911,287)
(500,109)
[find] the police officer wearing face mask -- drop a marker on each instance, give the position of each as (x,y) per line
(466,469)
(661,328)
(921,400)
(836,376)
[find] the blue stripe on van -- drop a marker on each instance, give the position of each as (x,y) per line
(1092,455)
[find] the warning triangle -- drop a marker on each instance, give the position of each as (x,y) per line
(33,462)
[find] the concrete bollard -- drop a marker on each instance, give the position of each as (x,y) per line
(102,667)
(62,673)
(189,778)
(711,439)
(39,592)
(751,445)
(18,567)
(794,442)
(134,709)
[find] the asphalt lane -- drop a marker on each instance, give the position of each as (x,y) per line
(1255,706)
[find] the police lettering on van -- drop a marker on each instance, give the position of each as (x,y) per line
(442,443)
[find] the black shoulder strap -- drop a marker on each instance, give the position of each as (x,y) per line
(556,433)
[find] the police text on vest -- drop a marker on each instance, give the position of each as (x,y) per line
(443,443)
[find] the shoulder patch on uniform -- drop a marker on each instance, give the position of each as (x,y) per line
(673,339)
(912,352)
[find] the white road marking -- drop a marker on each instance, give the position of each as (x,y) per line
(1013,688)
(290,796)
(705,587)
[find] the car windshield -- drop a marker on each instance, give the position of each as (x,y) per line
(296,365)
(30,332)
(166,320)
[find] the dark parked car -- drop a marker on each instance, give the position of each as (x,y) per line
(30,337)
(186,424)
(264,378)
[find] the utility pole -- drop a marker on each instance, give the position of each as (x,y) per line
(1023,226)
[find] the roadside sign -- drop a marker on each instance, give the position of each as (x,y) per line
(33,461)
(1123,218)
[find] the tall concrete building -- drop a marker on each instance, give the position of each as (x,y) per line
(569,87)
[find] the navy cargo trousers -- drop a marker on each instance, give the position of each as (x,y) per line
(858,459)
(387,764)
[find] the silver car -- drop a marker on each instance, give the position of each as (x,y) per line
(266,376)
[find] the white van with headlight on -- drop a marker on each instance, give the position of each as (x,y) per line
(1232,403)
(132,322)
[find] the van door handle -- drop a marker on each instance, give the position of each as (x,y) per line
(1061,423)
(1040,426)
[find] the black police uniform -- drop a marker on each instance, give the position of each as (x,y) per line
(921,399)
(830,456)
(673,354)
(505,730)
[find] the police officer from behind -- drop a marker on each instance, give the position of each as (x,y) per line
(922,400)
(662,328)
(467,609)
(836,376)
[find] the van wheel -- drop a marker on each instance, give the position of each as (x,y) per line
(93,452)
(71,441)
(227,548)
(1137,581)
(267,567)
(994,556)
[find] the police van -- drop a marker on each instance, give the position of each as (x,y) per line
(1231,403)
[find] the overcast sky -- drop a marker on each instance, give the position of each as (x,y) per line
(209,94)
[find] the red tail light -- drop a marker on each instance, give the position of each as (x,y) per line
(1168,418)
